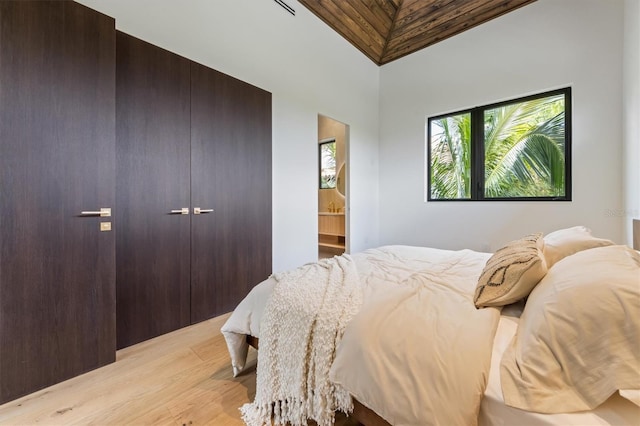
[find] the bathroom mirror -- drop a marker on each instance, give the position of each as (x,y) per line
(328,176)
(340,180)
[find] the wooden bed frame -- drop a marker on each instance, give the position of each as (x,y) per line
(362,414)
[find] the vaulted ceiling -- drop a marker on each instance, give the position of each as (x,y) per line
(386,30)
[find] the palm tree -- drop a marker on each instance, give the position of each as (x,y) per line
(451,157)
(523,151)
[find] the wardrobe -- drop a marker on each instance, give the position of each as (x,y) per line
(193,190)
(105,141)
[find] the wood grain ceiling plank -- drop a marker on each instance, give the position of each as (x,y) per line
(388,6)
(419,22)
(332,15)
(410,6)
(374,14)
(376,9)
(456,12)
(386,44)
(451,27)
(356,12)
(364,36)
(424,10)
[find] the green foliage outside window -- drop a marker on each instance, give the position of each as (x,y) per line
(328,165)
(520,152)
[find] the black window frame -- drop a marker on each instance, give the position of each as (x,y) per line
(320,144)
(477,149)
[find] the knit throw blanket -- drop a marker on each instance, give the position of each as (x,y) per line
(303,323)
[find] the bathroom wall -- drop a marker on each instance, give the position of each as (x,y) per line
(330,128)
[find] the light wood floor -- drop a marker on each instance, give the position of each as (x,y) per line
(181,378)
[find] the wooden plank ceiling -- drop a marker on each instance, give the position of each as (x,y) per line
(386,30)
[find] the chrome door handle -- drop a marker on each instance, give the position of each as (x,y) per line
(104,212)
(184,210)
(198,210)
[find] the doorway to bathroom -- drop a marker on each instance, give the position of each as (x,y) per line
(333,187)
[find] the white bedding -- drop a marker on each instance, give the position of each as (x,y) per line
(617,410)
(245,321)
(578,339)
(380,271)
(420,353)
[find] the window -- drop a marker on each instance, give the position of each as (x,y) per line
(514,150)
(328,164)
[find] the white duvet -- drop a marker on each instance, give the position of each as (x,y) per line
(420,353)
(431,293)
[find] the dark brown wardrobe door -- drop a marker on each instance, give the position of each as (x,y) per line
(57,159)
(153,157)
(231,174)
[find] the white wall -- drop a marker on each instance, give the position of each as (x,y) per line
(309,69)
(547,44)
(631,71)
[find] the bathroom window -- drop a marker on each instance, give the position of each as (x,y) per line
(514,150)
(328,173)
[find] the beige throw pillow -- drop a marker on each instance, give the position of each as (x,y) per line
(565,242)
(512,272)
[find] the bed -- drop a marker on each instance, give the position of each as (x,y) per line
(427,336)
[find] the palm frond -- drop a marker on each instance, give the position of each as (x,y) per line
(535,162)
(450,169)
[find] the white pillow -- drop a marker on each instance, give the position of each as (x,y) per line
(511,273)
(578,340)
(565,242)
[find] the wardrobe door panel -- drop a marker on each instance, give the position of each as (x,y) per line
(231,174)
(57,159)
(153,178)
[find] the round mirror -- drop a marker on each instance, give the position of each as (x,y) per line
(341,180)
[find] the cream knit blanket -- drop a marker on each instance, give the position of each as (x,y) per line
(302,326)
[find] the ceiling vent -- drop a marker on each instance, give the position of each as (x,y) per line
(286,7)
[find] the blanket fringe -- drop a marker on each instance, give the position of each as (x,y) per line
(343,400)
(296,412)
(292,412)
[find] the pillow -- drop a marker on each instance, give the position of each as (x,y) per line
(565,242)
(578,340)
(511,273)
